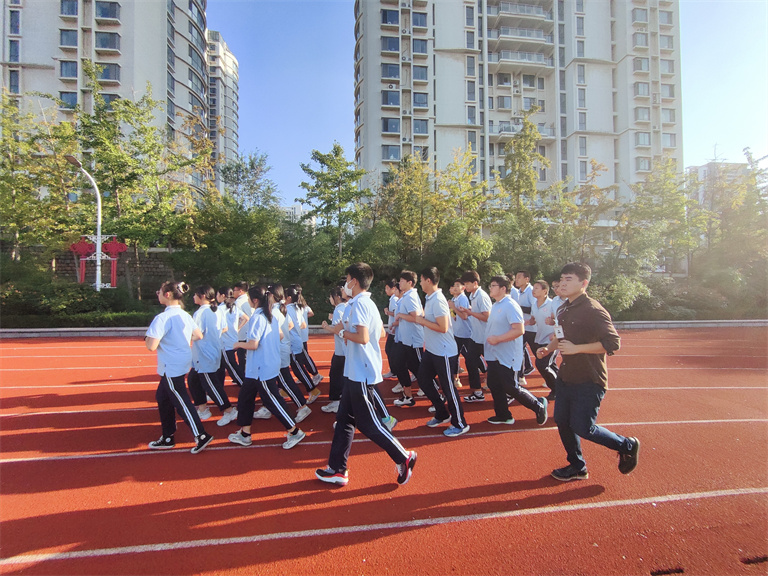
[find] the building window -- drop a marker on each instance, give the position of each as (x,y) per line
(667,90)
(68,99)
(13,82)
(390,98)
(421,152)
(108,40)
(471,40)
(642,138)
(562,102)
(542,174)
(390,152)
(471,115)
(470,65)
(491,149)
(471,95)
(67,37)
(581,95)
(419,46)
(668,115)
(171,81)
(109,72)
(108,10)
(67,69)
(563,171)
(642,163)
(390,125)
(14,23)
(390,71)
(420,100)
(13,51)
(667,66)
(490,102)
(391,17)
(666,42)
(504,102)
(529,103)
(640,15)
(642,89)
(504,79)
(420,73)
(665,17)
(580,48)
(541,83)
(581,73)
(472,140)
(580,25)
(68,8)
(171,57)
(563,125)
(469,13)
(420,126)
(390,44)
(640,39)
(668,140)
(109,98)
(641,64)
(529,80)
(420,19)
(579,5)
(582,145)
(195,83)
(582,170)
(642,114)
(582,120)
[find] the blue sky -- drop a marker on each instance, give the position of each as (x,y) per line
(296,79)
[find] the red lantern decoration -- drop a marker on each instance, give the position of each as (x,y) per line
(83,249)
(113,248)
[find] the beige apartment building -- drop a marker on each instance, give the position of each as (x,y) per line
(436,76)
(135,42)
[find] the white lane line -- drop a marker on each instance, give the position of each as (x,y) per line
(57,368)
(406,437)
(65,356)
(150,365)
(70,386)
(356,529)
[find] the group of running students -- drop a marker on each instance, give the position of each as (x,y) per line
(258,335)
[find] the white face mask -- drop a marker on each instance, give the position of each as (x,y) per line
(347,289)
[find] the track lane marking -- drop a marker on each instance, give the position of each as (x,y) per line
(354,529)
(147,452)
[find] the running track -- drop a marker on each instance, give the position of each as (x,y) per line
(82,495)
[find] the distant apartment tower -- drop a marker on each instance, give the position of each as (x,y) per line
(432,77)
(135,42)
(223,92)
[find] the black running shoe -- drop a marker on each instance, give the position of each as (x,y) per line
(331,476)
(569,473)
(541,415)
(628,462)
(405,470)
(162,443)
(202,441)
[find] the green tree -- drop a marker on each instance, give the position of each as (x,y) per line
(245,179)
(460,184)
(333,192)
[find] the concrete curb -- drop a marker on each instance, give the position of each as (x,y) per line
(8,333)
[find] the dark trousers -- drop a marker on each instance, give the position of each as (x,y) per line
(529,338)
(547,366)
(336,377)
(389,346)
(299,365)
(310,363)
(444,368)
(172,399)
(407,359)
(502,381)
(575,415)
(287,383)
(463,345)
(270,397)
(207,383)
(230,366)
(356,410)
(475,364)
(240,354)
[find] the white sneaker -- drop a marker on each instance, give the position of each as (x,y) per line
(388,375)
(420,392)
(431,410)
(397,389)
(313,395)
(294,439)
(316,379)
(262,413)
(204,412)
(413,378)
(303,412)
(237,438)
(227,417)
(332,406)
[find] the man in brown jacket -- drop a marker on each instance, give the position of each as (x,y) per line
(584,334)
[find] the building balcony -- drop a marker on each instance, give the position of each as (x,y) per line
(533,61)
(511,38)
(519,11)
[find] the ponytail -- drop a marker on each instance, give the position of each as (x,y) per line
(264,300)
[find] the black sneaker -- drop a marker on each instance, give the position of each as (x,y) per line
(331,476)
(405,401)
(475,396)
(628,462)
(162,443)
(405,470)
(541,415)
(500,420)
(551,397)
(202,441)
(569,473)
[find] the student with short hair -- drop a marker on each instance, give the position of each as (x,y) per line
(523,293)
(477,314)
(302,365)
(504,354)
(541,309)
(262,369)
(170,334)
(362,371)
(462,331)
(232,320)
(336,375)
(409,335)
(240,292)
(586,335)
(392,290)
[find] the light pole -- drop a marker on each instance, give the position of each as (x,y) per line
(98,255)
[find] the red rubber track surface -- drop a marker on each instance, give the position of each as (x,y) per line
(81,494)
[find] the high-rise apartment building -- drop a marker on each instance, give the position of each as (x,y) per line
(223,90)
(432,77)
(134,42)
